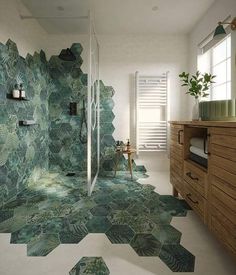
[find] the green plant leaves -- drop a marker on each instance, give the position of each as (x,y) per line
(198,84)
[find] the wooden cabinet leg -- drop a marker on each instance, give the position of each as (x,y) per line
(175,192)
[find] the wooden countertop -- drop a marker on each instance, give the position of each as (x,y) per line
(228,124)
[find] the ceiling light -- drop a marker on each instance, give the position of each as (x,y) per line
(60,8)
(220,31)
(155,8)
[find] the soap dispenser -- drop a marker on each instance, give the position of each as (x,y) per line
(16,92)
(22,92)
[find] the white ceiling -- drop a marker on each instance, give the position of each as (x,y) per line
(120,16)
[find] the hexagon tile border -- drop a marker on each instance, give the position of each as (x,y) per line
(56,209)
(44,209)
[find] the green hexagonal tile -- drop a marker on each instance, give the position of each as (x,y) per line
(177,258)
(73,233)
(120,234)
(98,224)
(100,210)
(42,245)
(91,266)
(146,245)
(25,234)
(166,234)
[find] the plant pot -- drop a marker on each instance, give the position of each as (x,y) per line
(195,110)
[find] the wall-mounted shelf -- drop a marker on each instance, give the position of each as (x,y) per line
(27,123)
(9,96)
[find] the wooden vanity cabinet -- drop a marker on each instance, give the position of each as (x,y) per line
(211,192)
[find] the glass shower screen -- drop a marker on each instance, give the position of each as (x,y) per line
(93,108)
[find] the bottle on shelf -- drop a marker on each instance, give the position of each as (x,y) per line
(16,92)
(118,146)
(128,146)
(22,92)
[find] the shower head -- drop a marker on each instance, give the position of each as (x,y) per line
(67,55)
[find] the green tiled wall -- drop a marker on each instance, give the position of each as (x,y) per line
(22,149)
(66,152)
(54,142)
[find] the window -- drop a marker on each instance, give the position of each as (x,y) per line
(217,61)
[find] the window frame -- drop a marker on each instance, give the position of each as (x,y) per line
(211,69)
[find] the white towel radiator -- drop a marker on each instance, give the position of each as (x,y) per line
(151,112)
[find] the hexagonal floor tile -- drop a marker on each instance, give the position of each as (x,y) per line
(73,233)
(100,210)
(137,210)
(91,266)
(98,224)
(120,234)
(101,199)
(6,214)
(119,217)
(141,224)
(42,245)
(25,234)
(173,205)
(177,258)
(166,234)
(146,245)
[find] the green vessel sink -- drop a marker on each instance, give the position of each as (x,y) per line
(218,110)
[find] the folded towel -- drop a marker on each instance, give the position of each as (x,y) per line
(198,151)
(202,161)
(198,142)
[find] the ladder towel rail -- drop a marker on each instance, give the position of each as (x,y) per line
(151,112)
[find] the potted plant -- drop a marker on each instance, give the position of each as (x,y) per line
(198,86)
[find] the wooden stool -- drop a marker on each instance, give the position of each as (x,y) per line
(129,152)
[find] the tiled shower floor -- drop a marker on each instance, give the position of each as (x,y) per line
(56,210)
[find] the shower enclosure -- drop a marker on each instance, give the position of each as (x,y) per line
(93,109)
(74,145)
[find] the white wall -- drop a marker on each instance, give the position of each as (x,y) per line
(122,56)
(28,34)
(220,10)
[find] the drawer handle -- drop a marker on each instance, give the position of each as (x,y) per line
(181,143)
(191,177)
(206,141)
(189,197)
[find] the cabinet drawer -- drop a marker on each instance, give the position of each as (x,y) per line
(176,151)
(177,182)
(220,137)
(223,163)
(196,201)
(223,228)
(176,157)
(226,152)
(223,185)
(223,175)
(196,178)
(223,202)
(177,165)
